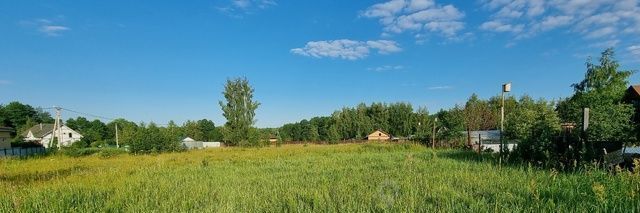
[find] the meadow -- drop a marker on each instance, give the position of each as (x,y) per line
(300,178)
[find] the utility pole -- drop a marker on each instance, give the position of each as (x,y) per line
(505,88)
(57,126)
(433,135)
(117,143)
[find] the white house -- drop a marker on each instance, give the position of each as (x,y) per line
(42,133)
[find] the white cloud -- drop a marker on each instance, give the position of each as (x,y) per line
(53,30)
(498,26)
(384,46)
(440,88)
(634,50)
(386,68)
(606,20)
(346,49)
(46,27)
(605,44)
(552,22)
(238,8)
(417,16)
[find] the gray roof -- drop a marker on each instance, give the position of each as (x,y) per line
(39,130)
(6,129)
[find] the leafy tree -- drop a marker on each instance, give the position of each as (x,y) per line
(332,134)
(149,139)
(400,119)
(450,126)
(239,110)
(209,130)
(478,116)
(192,129)
(423,128)
(601,90)
(126,131)
(519,123)
(17,114)
(539,141)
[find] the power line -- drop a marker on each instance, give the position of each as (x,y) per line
(88,114)
(99,116)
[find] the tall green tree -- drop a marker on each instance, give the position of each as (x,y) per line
(450,126)
(602,90)
(239,110)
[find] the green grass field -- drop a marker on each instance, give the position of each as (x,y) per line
(297,178)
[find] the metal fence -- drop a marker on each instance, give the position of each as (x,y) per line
(21,152)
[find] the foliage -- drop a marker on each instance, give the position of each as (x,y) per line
(602,91)
(317,178)
(22,116)
(450,126)
(239,110)
(538,136)
(149,139)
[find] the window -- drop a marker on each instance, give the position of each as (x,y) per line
(70,135)
(379,134)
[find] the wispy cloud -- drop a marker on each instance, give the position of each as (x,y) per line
(602,21)
(53,30)
(440,88)
(5,82)
(417,16)
(46,27)
(635,51)
(386,68)
(239,8)
(346,49)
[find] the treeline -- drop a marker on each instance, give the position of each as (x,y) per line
(140,137)
(536,125)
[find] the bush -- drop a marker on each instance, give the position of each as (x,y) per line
(25,144)
(110,152)
(79,152)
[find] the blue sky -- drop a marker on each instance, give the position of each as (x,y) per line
(168,60)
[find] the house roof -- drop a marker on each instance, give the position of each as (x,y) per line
(188,139)
(633,93)
(39,130)
(383,132)
(6,129)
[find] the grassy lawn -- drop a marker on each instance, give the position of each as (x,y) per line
(294,178)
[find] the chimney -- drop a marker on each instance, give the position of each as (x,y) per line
(40,126)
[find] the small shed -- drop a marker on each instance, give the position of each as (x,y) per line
(273,139)
(189,143)
(378,135)
(5,137)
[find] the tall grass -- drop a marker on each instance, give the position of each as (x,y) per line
(294,178)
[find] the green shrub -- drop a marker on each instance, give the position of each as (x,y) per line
(79,152)
(110,152)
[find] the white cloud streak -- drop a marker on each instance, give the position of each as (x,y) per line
(606,20)
(46,27)
(239,8)
(386,68)
(440,88)
(634,50)
(417,16)
(346,49)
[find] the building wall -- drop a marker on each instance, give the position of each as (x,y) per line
(66,140)
(5,140)
(377,135)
